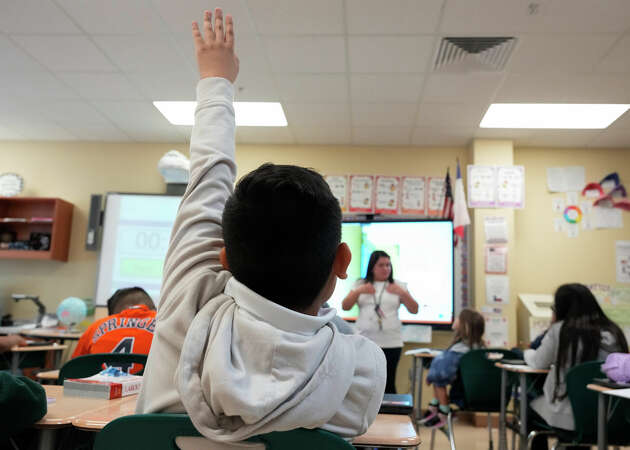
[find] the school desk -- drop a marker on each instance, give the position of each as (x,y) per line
(417,372)
(48,376)
(388,430)
(604,394)
(58,334)
(522,371)
(19,353)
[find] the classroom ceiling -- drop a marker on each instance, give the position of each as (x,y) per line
(351,72)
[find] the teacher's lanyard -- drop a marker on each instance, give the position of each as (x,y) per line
(377,307)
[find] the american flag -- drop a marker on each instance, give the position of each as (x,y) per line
(447,210)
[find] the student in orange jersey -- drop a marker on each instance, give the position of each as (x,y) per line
(128,329)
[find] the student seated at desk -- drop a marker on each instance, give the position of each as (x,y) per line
(22,401)
(469,328)
(580,332)
(248,351)
(128,329)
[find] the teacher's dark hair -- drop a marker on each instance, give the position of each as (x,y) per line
(376,254)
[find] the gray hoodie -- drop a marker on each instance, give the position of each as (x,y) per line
(237,363)
(559,413)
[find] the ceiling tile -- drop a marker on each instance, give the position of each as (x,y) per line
(450,115)
(383,114)
(400,88)
(587,16)
(492,17)
(7,134)
(76,112)
(402,54)
(314,54)
(179,15)
(618,60)
(317,114)
(402,16)
(34,16)
(381,135)
(622,123)
(441,137)
(559,53)
(114,16)
(33,87)
(65,52)
(255,87)
(320,88)
(322,135)
(612,139)
(96,132)
(461,88)
(166,85)
(101,86)
(264,135)
(144,54)
(515,134)
(33,127)
(274,17)
(560,138)
(14,59)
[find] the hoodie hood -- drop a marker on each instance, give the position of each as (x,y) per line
(249,366)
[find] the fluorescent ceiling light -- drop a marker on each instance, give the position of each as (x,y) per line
(248,114)
(551,115)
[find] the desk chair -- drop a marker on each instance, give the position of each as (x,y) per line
(584,406)
(169,431)
(481,382)
(88,365)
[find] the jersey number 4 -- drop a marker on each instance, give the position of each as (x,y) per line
(124,346)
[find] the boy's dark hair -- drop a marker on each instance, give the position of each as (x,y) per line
(128,297)
(281,229)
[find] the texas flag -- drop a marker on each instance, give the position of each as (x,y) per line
(460,212)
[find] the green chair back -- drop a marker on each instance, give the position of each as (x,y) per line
(158,432)
(88,365)
(584,405)
(482,380)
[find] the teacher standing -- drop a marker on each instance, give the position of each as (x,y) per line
(379,297)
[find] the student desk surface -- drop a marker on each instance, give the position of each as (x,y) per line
(59,334)
(92,414)
(603,394)
(17,354)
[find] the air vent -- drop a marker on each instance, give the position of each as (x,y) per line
(472,54)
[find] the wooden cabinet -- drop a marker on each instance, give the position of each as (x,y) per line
(29,217)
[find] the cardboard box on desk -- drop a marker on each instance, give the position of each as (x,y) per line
(103,386)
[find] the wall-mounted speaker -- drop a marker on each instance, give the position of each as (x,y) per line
(95,221)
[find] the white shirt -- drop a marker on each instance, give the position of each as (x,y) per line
(389,333)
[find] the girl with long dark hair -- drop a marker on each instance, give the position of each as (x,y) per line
(580,332)
(379,296)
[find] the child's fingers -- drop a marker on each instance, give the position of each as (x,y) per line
(207,26)
(229,30)
(218,25)
(197,37)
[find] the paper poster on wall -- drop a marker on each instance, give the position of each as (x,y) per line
(481,186)
(339,187)
(496,259)
(496,331)
(413,195)
(510,187)
(622,254)
(558,224)
(497,289)
(557,205)
(565,179)
(361,193)
(436,196)
(387,195)
(606,217)
(572,198)
(495,228)
(573,230)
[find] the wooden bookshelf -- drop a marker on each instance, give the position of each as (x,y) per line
(26,215)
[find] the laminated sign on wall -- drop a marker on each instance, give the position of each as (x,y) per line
(339,187)
(436,196)
(361,193)
(387,194)
(413,195)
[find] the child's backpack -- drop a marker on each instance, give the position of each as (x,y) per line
(617,367)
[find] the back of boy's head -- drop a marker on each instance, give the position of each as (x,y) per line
(281,228)
(126,298)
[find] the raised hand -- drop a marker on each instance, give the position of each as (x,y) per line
(215,47)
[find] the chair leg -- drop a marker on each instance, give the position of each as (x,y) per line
(513,440)
(432,438)
(451,435)
(491,445)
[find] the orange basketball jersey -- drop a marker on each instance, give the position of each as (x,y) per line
(130,331)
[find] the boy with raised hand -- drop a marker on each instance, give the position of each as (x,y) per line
(248,351)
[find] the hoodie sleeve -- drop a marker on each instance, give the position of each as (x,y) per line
(364,398)
(22,403)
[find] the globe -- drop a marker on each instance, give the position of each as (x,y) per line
(71,311)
